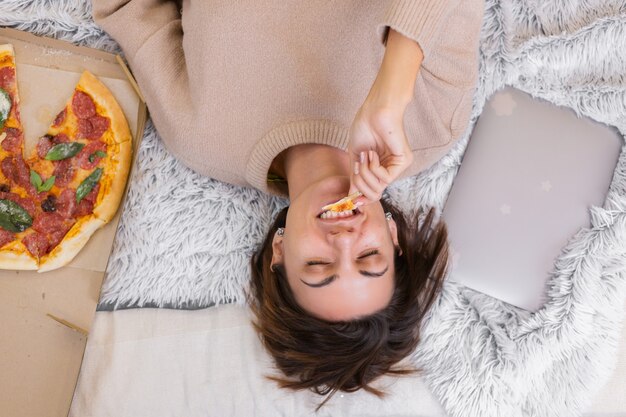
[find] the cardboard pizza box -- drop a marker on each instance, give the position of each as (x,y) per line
(45,317)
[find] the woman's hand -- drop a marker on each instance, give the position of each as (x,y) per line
(379,150)
(378,146)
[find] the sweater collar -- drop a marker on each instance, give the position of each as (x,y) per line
(323,132)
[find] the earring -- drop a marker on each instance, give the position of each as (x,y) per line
(280,231)
(388,216)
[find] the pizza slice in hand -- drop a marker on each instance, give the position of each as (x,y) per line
(72,183)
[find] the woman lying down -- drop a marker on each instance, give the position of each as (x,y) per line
(317,100)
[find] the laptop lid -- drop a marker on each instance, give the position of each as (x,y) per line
(529,174)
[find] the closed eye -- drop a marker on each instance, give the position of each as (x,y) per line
(317,263)
(365,255)
(370,253)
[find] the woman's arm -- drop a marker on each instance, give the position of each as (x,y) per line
(419,20)
(151,36)
(378,125)
(395,81)
(133,22)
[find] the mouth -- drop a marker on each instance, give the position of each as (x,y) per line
(328,214)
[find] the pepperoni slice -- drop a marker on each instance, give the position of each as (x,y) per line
(93,127)
(82,105)
(43,146)
(49,223)
(58,121)
(100,125)
(36,243)
(56,237)
(7,77)
(15,169)
(63,171)
(27,204)
(60,138)
(22,172)
(83,156)
(7,166)
(84,208)
(13,140)
(6,237)
(66,203)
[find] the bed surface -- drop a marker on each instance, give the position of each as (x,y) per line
(209,362)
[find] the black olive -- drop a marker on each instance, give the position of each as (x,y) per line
(49,204)
(4,188)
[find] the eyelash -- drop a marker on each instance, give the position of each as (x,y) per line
(370,253)
(317,263)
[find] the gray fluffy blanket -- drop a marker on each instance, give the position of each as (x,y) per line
(185,241)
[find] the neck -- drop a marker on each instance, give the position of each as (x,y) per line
(308,164)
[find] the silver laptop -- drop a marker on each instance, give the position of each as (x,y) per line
(530,172)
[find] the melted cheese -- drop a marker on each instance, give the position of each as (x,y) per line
(343,206)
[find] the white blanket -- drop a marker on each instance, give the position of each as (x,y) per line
(160,362)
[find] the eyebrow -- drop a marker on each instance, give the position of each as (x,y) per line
(328,280)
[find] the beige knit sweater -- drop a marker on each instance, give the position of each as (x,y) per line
(230,84)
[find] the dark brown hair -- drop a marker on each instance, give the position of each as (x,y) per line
(326,356)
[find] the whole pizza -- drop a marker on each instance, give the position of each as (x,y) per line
(52,201)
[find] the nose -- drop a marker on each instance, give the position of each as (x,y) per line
(342,234)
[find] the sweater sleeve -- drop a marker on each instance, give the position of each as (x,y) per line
(420,20)
(151,35)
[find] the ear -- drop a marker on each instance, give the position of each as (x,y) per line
(277,249)
(393,229)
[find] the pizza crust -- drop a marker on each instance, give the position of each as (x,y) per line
(17,260)
(7,48)
(71,244)
(112,195)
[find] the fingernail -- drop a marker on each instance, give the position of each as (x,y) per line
(362,157)
(356,168)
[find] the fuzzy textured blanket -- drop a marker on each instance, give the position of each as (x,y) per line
(185,241)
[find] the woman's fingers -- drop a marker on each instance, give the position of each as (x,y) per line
(378,170)
(370,178)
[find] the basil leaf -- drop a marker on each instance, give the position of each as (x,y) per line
(6,224)
(47,185)
(13,217)
(88,183)
(64,151)
(35,179)
(5,106)
(98,154)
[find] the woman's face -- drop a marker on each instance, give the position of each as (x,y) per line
(342,268)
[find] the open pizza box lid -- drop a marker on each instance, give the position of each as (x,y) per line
(45,318)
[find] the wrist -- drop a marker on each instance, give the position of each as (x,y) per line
(395,82)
